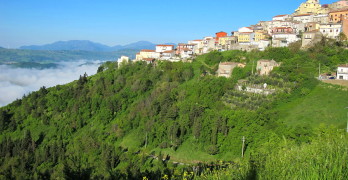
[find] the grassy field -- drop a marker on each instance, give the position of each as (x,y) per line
(324,105)
(187,153)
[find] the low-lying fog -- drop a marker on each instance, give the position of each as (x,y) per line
(15,82)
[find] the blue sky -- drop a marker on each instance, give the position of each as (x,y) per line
(119,22)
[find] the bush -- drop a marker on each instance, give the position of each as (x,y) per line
(212,149)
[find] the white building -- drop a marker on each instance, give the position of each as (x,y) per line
(298,27)
(167,55)
(198,46)
(263,44)
(342,72)
(304,18)
(270,25)
(245,30)
(162,47)
(281,17)
(330,30)
(122,60)
(321,18)
(283,39)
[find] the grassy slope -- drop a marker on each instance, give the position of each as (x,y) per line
(325,104)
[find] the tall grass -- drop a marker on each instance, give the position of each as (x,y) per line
(326,157)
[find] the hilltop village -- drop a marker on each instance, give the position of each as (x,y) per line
(309,24)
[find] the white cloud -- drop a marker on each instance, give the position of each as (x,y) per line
(15,82)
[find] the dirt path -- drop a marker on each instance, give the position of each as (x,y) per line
(337,82)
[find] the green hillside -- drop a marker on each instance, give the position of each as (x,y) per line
(121,122)
(325,104)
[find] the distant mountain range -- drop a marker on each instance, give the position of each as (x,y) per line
(86,45)
(25,56)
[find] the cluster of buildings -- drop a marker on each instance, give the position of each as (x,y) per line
(310,22)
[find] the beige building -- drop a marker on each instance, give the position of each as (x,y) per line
(338,5)
(264,66)
(345,26)
(311,7)
(311,26)
(310,38)
(225,43)
(146,53)
(226,68)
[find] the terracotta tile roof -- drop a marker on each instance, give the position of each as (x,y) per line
(343,65)
(340,10)
(282,27)
(147,50)
(229,63)
(312,31)
(169,51)
(148,59)
(198,40)
(165,45)
(266,60)
(302,15)
(283,33)
(281,15)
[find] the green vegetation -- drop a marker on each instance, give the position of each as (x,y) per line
(324,158)
(176,121)
(322,105)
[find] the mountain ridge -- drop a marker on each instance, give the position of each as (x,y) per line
(87,45)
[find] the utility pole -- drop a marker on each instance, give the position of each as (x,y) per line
(347,120)
(146,140)
(319,72)
(252,69)
(243,140)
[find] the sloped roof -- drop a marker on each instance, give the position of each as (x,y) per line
(165,45)
(149,59)
(280,15)
(343,65)
(147,50)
